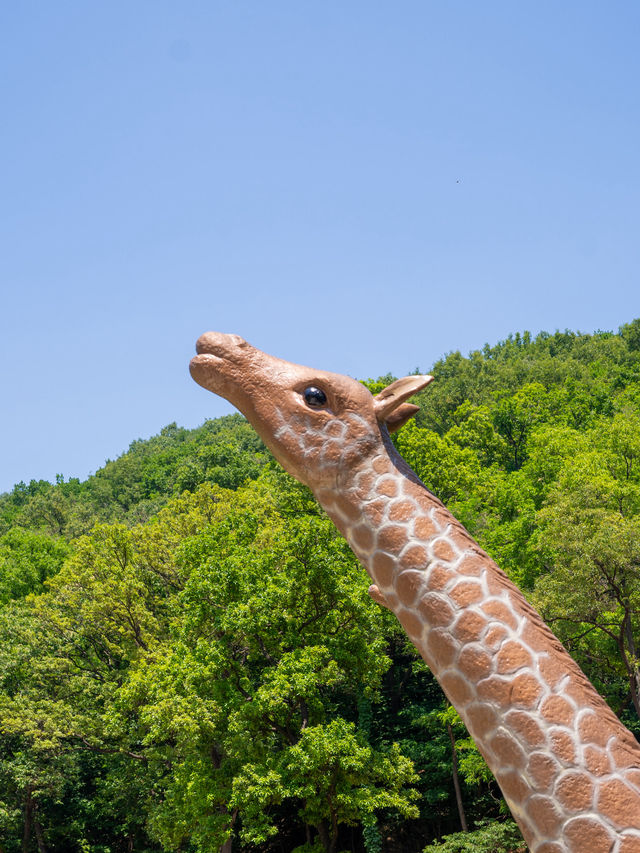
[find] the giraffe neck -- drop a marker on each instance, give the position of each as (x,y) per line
(568,769)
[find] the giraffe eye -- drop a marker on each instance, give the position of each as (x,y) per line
(314,397)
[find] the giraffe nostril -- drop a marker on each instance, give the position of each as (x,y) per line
(237,340)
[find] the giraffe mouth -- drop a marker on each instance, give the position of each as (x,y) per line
(215,348)
(206,367)
(217,361)
(211,371)
(207,358)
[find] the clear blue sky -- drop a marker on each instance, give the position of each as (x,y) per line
(361,186)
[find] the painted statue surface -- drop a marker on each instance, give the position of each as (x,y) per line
(568,768)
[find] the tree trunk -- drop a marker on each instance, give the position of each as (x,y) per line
(42,847)
(634,684)
(28,817)
(334,832)
(323,835)
(634,657)
(630,660)
(456,780)
(228,844)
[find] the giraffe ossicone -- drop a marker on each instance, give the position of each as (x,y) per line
(569,770)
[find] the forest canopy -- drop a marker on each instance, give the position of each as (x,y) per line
(189,659)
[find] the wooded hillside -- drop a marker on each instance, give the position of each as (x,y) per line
(187,647)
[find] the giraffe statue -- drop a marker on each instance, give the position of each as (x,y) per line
(569,770)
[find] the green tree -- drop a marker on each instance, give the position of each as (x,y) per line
(589,539)
(340,779)
(490,837)
(27,559)
(275,642)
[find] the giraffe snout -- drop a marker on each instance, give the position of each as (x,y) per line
(217,343)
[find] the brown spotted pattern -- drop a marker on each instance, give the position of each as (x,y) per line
(567,767)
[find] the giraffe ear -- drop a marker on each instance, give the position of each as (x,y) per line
(391,398)
(400,416)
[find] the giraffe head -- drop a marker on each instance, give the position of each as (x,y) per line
(317,424)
